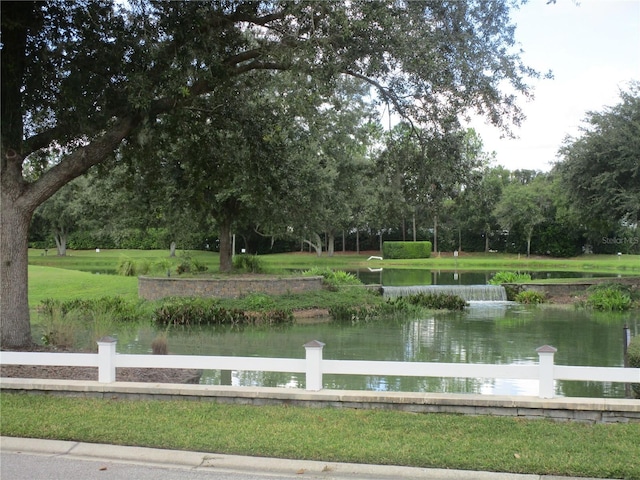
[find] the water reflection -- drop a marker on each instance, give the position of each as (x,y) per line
(493,332)
(403,277)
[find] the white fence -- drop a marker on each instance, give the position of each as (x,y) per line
(314,366)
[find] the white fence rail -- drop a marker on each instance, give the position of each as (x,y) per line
(314,366)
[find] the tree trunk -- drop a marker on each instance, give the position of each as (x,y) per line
(414,227)
(60,237)
(486,241)
(529,235)
(226,263)
(331,243)
(317,245)
(435,234)
(172,249)
(14,305)
(358,241)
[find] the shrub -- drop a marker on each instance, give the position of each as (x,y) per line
(126,267)
(78,324)
(270,318)
(202,311)
(187,311)
(162,266)
(130,268)
(248,263)
(405,250)
(259,301)
(346,313)
(509,277)
(396,307)
(609,297)
(190,265)
(633,355)
(437,301)
(530,297)
(333,279)
(143,267)
(57,330)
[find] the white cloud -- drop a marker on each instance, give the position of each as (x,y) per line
(593,50)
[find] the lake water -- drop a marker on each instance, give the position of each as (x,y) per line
(487,332)
(397,276)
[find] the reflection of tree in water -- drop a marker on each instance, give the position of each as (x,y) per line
(493,335)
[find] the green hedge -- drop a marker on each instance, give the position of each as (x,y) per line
(633,354)
(406,249)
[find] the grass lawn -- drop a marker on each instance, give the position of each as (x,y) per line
(58,283)
(502,444)
(89,260)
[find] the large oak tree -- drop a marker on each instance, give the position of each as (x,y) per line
(600,169)
(80,78)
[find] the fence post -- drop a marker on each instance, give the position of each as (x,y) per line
(107,360)
(314,365)
(545,362)
(626,340)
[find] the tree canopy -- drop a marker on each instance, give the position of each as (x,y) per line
(600,168)
(80,79)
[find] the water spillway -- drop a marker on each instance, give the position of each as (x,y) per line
(470,293)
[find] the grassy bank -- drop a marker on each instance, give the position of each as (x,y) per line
(107,260)
(66,284)
(338,435)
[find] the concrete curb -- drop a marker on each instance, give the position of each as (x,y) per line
(242,464)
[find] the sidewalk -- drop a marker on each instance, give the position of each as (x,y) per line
(270,467)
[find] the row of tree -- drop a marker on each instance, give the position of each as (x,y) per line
(339,178)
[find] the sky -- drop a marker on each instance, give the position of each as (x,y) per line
(592,48)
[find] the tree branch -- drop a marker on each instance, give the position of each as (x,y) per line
(242,57)
(78,162)
(386,95)
(260,66)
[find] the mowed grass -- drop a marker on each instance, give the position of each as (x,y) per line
(107,260)
(89,260)
(64,284)
(501,444)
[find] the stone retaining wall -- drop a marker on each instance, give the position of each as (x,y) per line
(231,287)
(590,410)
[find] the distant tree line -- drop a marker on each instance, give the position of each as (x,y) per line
(358,186)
